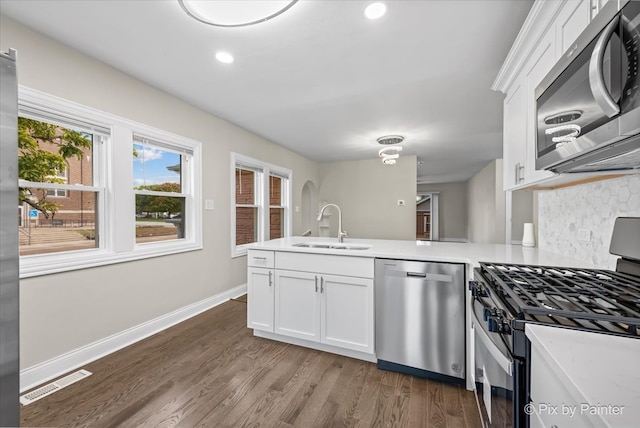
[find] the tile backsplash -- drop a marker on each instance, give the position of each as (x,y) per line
(578,221)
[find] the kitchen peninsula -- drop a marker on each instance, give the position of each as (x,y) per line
(319,293)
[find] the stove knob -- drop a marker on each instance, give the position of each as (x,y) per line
(495,324)
(477,289)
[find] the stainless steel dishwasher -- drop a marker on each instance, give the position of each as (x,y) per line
(420,318)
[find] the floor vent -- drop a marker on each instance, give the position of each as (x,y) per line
(48,389)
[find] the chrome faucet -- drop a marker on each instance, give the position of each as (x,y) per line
(341,234)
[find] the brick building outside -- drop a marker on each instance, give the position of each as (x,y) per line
(75,208)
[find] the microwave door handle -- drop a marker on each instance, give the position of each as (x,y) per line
(596,76)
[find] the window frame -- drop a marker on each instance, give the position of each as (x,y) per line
(60,193)
(113,180)
(262,200)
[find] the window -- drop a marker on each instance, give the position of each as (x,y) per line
(260,202)
(157,183)
(248,183)
(277,205)
(85,199)
(61,216)
(60,176)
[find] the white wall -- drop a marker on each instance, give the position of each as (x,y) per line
(367,192)
(62,312)
(452,204)
(486,205)
(562,213)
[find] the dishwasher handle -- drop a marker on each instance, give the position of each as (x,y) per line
(417,274)
(437,277)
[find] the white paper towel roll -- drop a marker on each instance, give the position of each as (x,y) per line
(528,239)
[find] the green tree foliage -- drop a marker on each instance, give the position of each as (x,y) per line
(159,204)
(38,165)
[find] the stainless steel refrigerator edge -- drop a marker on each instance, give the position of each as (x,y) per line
(9,272)
(420,318)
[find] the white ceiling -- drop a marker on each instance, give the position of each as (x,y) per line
(321,79)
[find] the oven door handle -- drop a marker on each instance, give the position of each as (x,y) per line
(596,75)
(505,362)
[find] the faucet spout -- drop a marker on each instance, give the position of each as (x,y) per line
(341,233)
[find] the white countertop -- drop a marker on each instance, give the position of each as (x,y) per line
(453,252)
(597,369)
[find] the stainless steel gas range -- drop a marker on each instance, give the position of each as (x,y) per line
(506,297)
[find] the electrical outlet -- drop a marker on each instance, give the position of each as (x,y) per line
(208,205)
(400,202)
(584,235)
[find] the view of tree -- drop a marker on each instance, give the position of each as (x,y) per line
(159,204)
(38,165)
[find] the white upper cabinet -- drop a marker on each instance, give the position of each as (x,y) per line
(548,33)
(573,18)
(515,133)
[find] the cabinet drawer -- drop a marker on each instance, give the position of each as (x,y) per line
(260,258)
(326,264)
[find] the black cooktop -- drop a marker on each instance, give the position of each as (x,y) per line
(591,299)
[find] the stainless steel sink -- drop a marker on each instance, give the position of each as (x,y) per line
(330,246)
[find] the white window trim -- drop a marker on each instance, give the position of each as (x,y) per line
(116,154)
(263,210)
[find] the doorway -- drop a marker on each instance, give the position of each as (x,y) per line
(427,217)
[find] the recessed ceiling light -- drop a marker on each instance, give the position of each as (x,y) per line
(225,57)
(375,10)
(234,13)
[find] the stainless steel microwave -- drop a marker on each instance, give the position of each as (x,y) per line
(588,106)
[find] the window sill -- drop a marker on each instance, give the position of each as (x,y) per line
(32,266)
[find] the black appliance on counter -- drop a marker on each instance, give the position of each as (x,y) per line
(507,296)
(588,106)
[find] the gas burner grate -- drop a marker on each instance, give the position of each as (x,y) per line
(589,298)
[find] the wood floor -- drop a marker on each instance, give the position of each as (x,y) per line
(210,371)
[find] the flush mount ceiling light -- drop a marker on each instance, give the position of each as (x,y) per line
(389,155)
(375,10)
(225,57)
(390,139)
(227,13)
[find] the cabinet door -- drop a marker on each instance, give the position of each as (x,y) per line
(347,312)
(515,133)
(297,305)
(260,299)
(573,18)
(539,64)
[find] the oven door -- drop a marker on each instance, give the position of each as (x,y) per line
(493,376)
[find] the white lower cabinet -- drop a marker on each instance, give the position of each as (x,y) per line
(347,312)
(331,309)
(319,298)
(260,290)
(553,403)
(297,308)
(260,304)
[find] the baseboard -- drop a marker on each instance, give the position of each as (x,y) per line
(453,240)
(35,375)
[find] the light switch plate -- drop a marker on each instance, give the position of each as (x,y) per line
(209,205)
(400,202)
